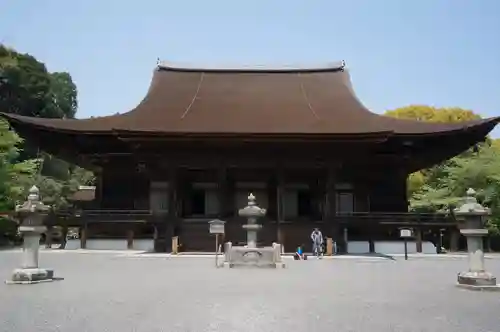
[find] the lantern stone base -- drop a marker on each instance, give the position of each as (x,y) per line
(244,256)
(477,281)
(31,276)
(239,265)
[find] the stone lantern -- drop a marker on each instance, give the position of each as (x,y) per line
(472,217)
(252,212)
(250,254)
(31,215)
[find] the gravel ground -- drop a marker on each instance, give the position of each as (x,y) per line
(111,292)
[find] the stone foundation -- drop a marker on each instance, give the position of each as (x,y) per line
(243,256)
(477,281)
(31,276)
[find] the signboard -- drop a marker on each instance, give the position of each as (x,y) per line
(405,232)
(216,226)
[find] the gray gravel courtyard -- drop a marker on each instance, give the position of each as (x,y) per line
(111,292)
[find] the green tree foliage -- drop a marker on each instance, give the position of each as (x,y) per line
(15,176)
(55,192)
(64,95)
(433,114)
(27,88)
(480,171)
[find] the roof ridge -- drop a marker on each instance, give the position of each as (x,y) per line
(283,68)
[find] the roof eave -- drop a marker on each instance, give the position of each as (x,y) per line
(487,124)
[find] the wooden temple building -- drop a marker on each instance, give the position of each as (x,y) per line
(299,139)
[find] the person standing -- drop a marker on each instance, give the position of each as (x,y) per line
(317,242)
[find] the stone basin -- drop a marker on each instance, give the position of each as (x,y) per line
(243,256)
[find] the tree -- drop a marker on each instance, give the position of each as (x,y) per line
(55,192)
(25,85)
(15,177)
(433,114)
(480,171)
(64,94)
(27,88)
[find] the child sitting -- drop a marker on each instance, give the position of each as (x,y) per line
(299,254)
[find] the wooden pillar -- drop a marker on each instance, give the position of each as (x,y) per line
(130,239)
(329,210)
(371,245)
(275,204)
(171,219)
(225,207)
(48,237)
(280,184)
(454,239)
(155,233)
(98,190)
(64,238)
(418,239)
(83,236)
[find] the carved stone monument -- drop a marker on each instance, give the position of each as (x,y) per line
(31,214)
(471,216)
(251,255)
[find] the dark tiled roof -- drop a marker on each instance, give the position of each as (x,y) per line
(281,100)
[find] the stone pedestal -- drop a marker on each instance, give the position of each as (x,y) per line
(31,215)
(243,256)
(471,216)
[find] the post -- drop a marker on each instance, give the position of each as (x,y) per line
(216,249)
(130,239)
(329,211)
(216,227)
(31,215)
(454,239)
(471,216)
(175,245)
(329,246)
(83,236)
(440,249)
(418,237)
(405,233)
(346,240)
(171,218)
(279,205)
(48,237)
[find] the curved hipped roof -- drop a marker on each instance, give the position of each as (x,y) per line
(257,101)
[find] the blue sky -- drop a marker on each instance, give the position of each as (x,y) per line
(399,52)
